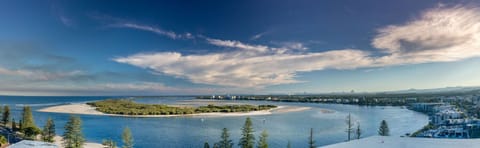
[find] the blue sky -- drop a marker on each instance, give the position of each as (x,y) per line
(255,47)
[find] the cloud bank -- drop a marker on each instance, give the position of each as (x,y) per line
(441,34)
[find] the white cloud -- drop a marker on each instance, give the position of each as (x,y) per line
(438,35)
(40,74)
(234,68)
(257,36)
(130,88)
(156,30)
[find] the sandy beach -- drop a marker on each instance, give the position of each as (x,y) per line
(58,142)
(89,110)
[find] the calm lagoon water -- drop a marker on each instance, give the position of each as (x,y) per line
(194,131)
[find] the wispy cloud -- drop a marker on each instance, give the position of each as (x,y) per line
(258,36)
(40,75)
(131,88)
(155,30)
(438,35)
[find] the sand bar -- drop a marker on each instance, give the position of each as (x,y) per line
(89,110)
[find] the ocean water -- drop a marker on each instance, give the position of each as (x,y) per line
(186,132)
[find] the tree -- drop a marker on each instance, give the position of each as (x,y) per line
(73,137)
(349,129)
(3,141)
(14,125)
(206,145)
(1,112)
(127,138)
(262,142)
(358,132)
(383,130)
(20,126)
(48,132)
(27,118)
(31,133)
(6,115)
(248,139)
(289,145)
(226,142)
(311,142)
(109,143)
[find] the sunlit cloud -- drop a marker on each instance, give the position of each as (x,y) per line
(439,35)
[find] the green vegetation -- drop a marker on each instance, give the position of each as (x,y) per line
(206,145)
(128,107)
(225,141)
(127,138)
(109,143)
(73,137)
(248,139)
(383,130)
(28,127)
(48,132)
(27,118)
(6,115)
(262,142)
(427,127)
(3,141)
(14,125)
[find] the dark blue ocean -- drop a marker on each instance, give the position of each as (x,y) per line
(189,132)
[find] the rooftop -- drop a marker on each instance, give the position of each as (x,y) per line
(400,142)
(32,144)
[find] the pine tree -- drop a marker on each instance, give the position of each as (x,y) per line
(6,115)
(226,142)
(27,118)
(109,143)
(3,141)
(20,126)
(73,137)
(358,131)
(349,129)
(1,112)
(289,145)
(127,138)
(206,145)
(14,125)
(262,142)
(311,142)
(248,139)
(383,130)
(48,133)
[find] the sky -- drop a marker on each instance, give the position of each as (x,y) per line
(177,47)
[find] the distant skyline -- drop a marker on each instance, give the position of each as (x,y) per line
(236,47)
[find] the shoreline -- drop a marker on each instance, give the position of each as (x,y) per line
(84,109)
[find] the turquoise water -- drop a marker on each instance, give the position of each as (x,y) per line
(192,132)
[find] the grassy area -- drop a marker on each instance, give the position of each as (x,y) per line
(128,107)
(427,127)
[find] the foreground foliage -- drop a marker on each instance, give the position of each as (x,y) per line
(128,107)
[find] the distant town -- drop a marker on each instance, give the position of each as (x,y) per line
(452,114)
